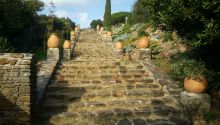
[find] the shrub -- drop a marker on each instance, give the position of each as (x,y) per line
(188,68)
(120,17)
(5,46)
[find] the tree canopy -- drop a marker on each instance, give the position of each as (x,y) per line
(119,17)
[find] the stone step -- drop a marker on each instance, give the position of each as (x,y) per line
(110,77)
(77,105)
(81,93)
(66,119)
(161,116)
(97,85)
(107,80)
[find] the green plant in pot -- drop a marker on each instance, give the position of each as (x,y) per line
(194,73)
(143,41)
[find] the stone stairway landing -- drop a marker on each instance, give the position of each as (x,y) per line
(96,88)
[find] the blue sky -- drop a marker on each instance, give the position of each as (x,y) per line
(84,11)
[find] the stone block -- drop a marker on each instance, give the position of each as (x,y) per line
(17,55)
(66,54)
(12,61)
(144,54)
(4,61)
(53,54)
(196,103)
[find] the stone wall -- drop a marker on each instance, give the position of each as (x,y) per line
(17,88)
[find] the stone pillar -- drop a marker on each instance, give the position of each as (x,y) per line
(144,54)
(66,54)
(17,88)
(53,54)
(196,105)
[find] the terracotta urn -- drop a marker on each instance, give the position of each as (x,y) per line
(143,42)
(102,29)
(53,41)
(109,34)
(195,86)
(67,44)
(73,33)
(77,28)
(118,45)
(97,27)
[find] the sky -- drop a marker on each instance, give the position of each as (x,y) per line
(84,11)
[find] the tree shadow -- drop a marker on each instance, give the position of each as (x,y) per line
(57,101)
(12,114)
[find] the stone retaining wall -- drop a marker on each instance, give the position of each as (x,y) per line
(17,88)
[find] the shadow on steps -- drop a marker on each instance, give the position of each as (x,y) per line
(58,98)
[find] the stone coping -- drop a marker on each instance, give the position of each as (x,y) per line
(44,77)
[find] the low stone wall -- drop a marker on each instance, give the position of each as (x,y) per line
(44,76)
(17,88)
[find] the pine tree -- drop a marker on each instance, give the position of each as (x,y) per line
(107,16)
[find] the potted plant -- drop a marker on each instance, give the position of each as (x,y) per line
(143,42)
(194,75)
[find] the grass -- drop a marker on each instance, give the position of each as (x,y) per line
(211,117)
(40,54)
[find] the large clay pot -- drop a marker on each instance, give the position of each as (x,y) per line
(53,41)
(102,29)
(77,28)
(73,33)
(67,44)
(109,34)
(118,45)
(97,27)
(195,86)
(143,42)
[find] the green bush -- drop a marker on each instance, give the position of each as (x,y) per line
(189,68)
(94,24)
(168,36)
(120,17)
(5,47)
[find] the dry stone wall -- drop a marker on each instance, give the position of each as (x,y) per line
(17,88)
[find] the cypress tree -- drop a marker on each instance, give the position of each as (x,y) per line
(107,16)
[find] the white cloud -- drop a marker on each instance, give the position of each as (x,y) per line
(63,13)
(83,18)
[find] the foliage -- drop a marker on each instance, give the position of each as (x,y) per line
(4,46)
(119,17)
(17,15)
(155,49)
(140,12)
(189,68)
(167,36)
(211,116)
(40,53)
(213,79)
(94,23)
(122,37)
(24,28)
(107,17)
(197,21)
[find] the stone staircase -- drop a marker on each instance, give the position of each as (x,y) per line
(96,88)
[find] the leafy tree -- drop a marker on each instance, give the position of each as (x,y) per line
(19,17)
(94,23)
(107,16)
(120,17)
